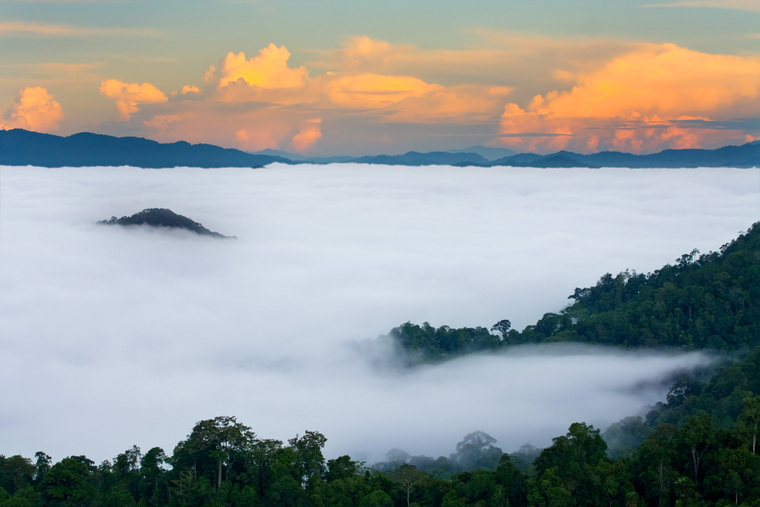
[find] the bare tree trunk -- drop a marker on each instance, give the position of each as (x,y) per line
(661,482)
(754,438)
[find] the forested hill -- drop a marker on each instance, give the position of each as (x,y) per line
(707,301)
(163,218)
(22,147)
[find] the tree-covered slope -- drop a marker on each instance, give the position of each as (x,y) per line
(162,217)
(708,301)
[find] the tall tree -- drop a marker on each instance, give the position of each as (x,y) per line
(310,463)
(222,439)
(697,434)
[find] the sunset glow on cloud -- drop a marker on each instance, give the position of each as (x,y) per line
(640,101)
(631,76)
(129,96)
(269,69)
(307,136)
(34,109)
(375,90)
(649,98)
(259,84)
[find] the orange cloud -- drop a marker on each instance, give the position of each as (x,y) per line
(250,127)
(269,69)
(644,100)
(375,90)
(307,136)
(34,109)
(190,89)
(393,97)
(528,61)
(129,96)
(257,139)
(456,104)
(364,54)
(161,122)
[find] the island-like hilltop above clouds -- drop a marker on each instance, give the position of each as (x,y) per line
(22,147)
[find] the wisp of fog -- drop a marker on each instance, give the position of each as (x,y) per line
(113,336)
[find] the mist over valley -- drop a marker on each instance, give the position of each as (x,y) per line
(145,331)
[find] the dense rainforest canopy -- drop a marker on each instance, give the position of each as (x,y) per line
(697,448)
(707,301)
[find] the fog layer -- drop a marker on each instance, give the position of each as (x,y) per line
(117,336)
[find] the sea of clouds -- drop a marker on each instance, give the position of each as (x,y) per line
(115,336)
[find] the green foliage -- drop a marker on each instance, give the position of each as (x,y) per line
(694,463)
(309,462)
(706,301)
(377,498)
(426,343)
(709,301)
(70,482)
(15,472)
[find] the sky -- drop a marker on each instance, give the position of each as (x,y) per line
(348,77)
(113,337)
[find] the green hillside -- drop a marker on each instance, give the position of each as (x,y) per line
(708,301)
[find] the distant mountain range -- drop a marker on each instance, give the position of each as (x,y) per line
(22,147)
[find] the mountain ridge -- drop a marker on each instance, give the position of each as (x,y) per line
(23,147)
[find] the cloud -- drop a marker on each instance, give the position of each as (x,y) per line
(21,27)
(309,134)
(461,104)
(34,109)
(161,122)
(129,96)
(360,83)
(247,126)
(636,101)
(257,138)
(739,5)
(599,94)
(364,54)
(56,72)
(361,91)
(269,69)
(261,102)
(494,58)
(123,328)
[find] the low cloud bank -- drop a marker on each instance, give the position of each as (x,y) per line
(113,337)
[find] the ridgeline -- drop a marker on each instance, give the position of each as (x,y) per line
(709,301)
(20,147)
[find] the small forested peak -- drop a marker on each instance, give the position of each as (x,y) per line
(163,217)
